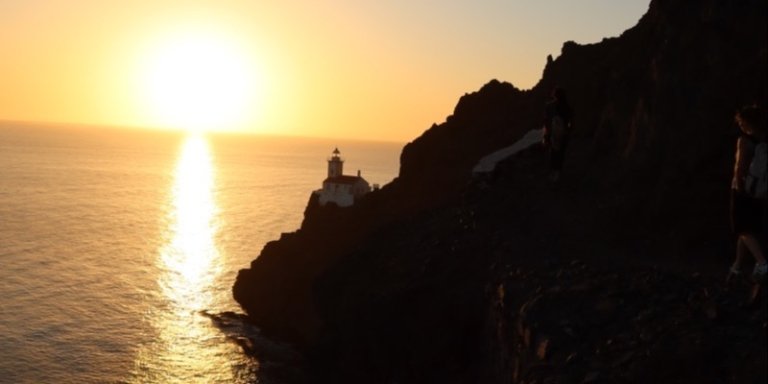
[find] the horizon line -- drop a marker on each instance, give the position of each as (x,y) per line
(67,124)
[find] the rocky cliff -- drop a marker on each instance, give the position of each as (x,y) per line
(443,278)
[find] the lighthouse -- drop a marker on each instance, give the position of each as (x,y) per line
(335,164)
(338,188)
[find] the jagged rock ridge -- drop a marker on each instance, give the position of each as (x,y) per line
(410,293)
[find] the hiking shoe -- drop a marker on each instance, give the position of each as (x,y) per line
(760,271)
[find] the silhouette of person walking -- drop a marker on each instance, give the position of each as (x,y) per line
(749,195)
(558,124)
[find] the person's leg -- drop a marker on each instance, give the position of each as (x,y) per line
(557,157)
(751,243)
(741,253)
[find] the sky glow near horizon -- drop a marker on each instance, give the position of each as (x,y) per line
(348,69)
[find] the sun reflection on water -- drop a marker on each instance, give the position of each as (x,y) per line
(187,348)
(190,256)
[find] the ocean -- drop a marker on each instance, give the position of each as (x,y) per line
(115,243)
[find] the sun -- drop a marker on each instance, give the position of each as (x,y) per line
(200,82)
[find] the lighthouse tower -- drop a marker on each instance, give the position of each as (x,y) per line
(338,188)
(335,164)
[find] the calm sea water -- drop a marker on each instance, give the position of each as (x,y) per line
(112,242)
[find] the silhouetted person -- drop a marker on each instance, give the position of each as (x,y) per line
(558,124)
(749,195)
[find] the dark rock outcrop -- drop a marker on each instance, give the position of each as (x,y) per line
(410,292)
(572,323)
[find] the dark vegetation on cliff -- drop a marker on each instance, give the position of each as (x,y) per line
(604,277)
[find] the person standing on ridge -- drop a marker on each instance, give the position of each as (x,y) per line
(749,191)
(558,125)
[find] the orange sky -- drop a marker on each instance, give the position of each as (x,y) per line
(383,70)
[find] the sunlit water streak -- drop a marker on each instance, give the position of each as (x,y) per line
(95,284)
(187,349)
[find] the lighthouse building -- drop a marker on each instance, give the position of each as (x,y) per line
(339,188)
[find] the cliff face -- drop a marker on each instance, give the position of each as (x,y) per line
(410,294)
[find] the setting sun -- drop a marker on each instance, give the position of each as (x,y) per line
(363,69)
(200,82)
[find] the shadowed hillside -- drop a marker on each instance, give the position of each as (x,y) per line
(439,277)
